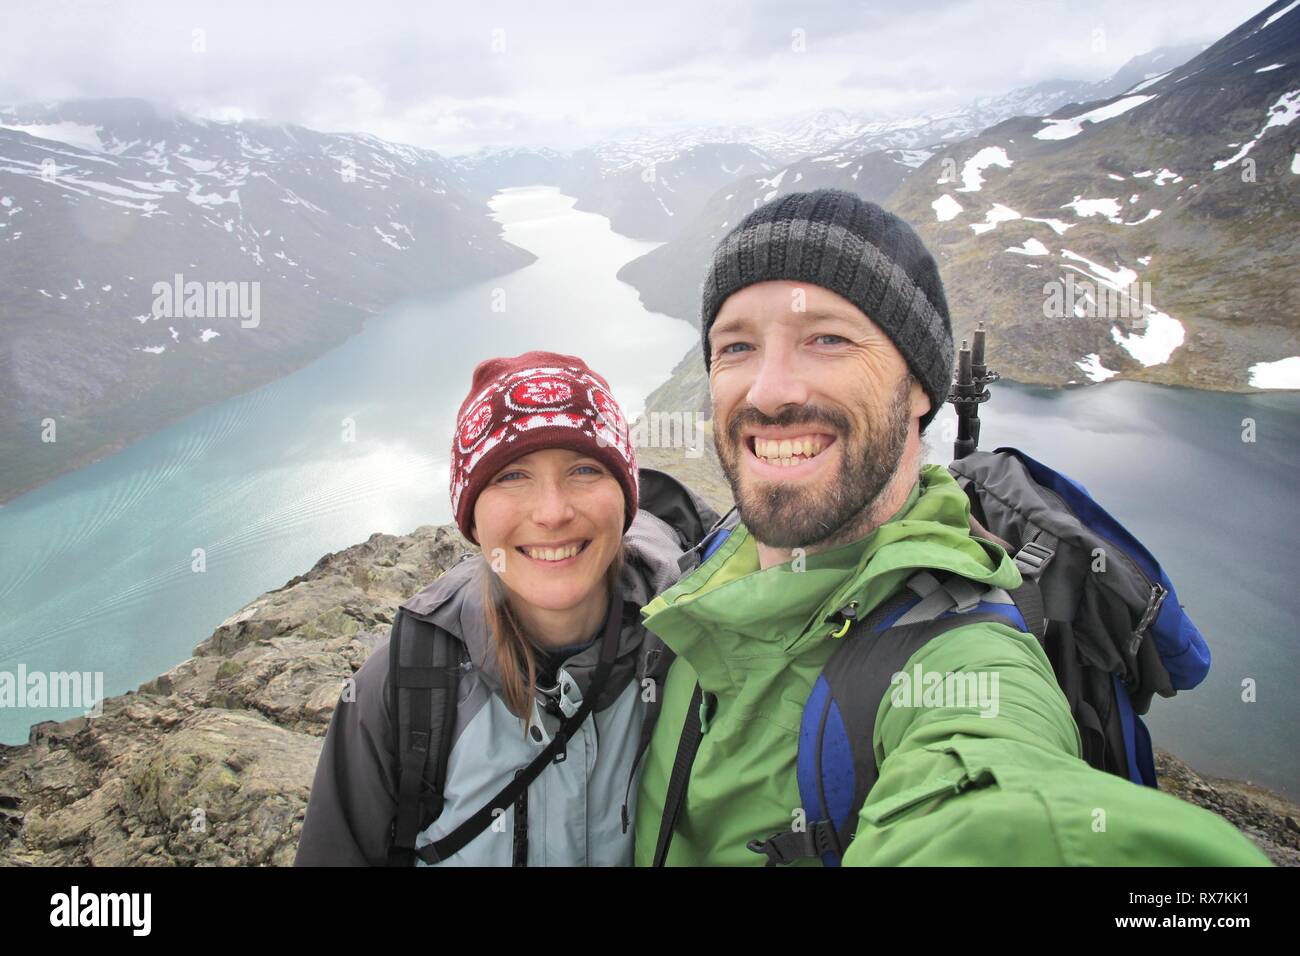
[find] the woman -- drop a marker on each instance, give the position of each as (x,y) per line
(506,728)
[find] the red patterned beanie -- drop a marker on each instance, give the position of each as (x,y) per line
(531,402)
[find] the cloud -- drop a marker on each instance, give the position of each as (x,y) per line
(458,75)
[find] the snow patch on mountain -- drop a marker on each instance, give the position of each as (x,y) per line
(1108,208)
(1151,214)
(999,213)
(1281,113)
(1057,225)
(1149,81)
(1152,345)
(1073,125)
(945,207)
(1031,247)
(1092,367)
(1284,373)
(971,172)
(1279,15)
(78,135)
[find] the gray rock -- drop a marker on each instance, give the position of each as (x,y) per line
(211,763)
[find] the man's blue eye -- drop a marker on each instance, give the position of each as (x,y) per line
(726,348)
(829,335)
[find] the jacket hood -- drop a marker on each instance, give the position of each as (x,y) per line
(651,546)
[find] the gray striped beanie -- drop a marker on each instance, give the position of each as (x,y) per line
(833,239)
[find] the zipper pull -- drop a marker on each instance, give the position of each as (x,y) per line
(843,619)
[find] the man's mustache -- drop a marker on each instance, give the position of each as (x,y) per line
(827,419)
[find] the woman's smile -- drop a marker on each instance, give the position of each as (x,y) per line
(562,554)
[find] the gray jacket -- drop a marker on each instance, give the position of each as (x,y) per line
(574,806)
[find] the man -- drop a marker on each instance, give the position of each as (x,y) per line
(829,350)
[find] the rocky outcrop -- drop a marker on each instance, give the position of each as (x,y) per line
(1271,821)
(212,762)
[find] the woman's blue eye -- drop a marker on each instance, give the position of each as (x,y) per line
(509,474)
(593,469)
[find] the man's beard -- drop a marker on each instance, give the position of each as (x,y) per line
(789,515)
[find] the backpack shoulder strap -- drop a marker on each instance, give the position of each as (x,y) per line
(424,672)
(687,747)
(657,660)
(837,763)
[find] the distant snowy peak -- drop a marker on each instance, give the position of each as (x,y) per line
(156,164)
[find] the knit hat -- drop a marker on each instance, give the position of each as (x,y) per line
(833,239)
(531,402)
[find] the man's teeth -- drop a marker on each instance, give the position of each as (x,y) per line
(789,451)
(553,554)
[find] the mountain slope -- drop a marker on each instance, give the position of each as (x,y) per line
(103,201)
(1184,180)
(1181,193)
(668,278)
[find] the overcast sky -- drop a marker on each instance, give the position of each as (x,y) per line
(457,75)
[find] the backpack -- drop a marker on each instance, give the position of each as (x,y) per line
(425,666)
(1104,611)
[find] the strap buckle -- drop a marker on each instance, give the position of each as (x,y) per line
(1032,558)
(787,846)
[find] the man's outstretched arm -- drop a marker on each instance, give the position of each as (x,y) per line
(1009,787)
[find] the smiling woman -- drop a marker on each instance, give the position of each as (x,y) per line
(551,517)
(533,651)
(552,523)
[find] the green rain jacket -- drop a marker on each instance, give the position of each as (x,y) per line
(955,787)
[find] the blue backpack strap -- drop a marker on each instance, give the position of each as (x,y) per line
(836,765)
(710,543)
(1137,739)
(714,542)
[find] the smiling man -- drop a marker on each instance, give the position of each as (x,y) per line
(829,350)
